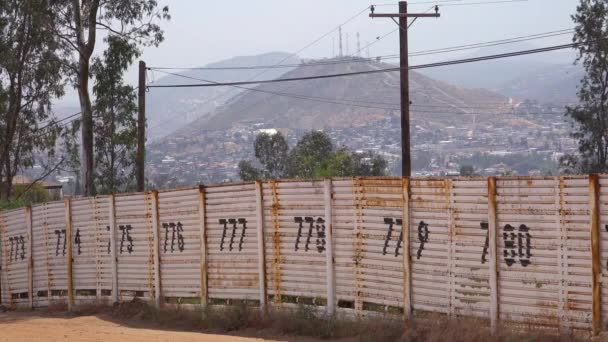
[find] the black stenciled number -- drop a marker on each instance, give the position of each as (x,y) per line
(606,227)
(233,234)
(126,235)
(517,245)
(234,223)
(508,237)
(109,240)
(391,223)
(320,226)
(524,258)
(243,223)
(13,242)
(225,223)
(16,242)
(485,226)
(423,237)
(317,225)
(176,231)
(22,242)
(77,240)
(181,244)
(59,233)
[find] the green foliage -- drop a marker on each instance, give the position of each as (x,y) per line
(590,117)
(467,171)
(272,151)
(30,77)
(129,23)
(25,195)
(314,156)
(522,163)
(311,156)
(115,124)
(248,172)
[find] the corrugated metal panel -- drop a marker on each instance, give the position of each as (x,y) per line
(528,260)
(135,245)
(344,232)
(15,246)
(4,296)
(378,259)
(50,269)
(91,242)
(41,243)
(294,229)
(232,251)
(180,243)
(603,211)
(430,238)
(576,252)
(469,276)
(543,246)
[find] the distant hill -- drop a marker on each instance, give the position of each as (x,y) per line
(369,98)
(544,77)
(171,108)
(554,84)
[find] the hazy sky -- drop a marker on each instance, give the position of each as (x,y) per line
(201,32)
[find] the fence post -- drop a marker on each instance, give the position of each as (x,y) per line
(112,223)
(69,260)
(407,266)
(492,248)
(259,213)
(203,237)
(329,249)
(155,232)
(594,199)
(30,260)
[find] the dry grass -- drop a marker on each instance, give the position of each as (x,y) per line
(303,321)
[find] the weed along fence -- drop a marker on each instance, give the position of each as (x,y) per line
(531,250)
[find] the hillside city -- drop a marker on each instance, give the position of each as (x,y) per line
(530,148)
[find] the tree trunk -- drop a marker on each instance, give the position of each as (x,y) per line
(88,163)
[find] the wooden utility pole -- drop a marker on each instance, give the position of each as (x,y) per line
(140,162)
(406,161)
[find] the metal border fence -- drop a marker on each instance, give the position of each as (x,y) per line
(517,249)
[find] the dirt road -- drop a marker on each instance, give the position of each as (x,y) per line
(26,327)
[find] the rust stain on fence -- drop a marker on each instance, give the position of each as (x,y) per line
(276,243)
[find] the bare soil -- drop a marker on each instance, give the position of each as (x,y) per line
(37,326)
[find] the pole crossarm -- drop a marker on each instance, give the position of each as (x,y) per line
(406,162)
(404,15)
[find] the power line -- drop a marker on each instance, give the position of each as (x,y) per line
(356,73)
(344,101)
(353,103)
(291,55)
(412,54)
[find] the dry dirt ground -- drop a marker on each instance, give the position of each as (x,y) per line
(30,327)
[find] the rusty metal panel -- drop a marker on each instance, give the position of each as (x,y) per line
(91,242)
(134,245)
(49,253)
(430,239)
(469,248)
(179,243)
(231,226)
(15,246)
(343,235)
(575,217)
(378,262)
(294,229)
(603,213)
(41,241)
(544,255)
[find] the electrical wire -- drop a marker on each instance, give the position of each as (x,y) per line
(392,56)
(367,72)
